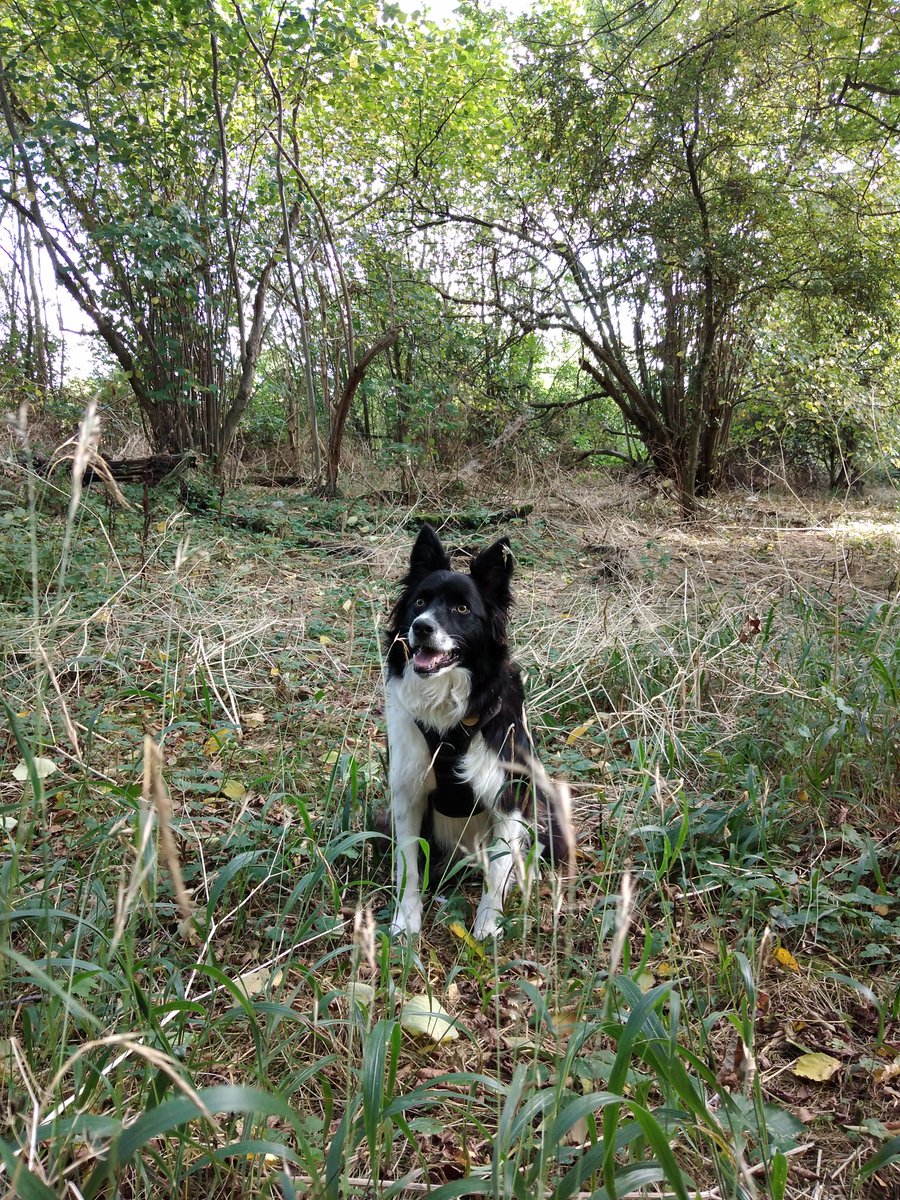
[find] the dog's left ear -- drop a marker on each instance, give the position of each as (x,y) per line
(428,554)
(492,570)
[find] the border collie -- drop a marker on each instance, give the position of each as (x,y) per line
(460,750)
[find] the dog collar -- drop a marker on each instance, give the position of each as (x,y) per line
(476,722)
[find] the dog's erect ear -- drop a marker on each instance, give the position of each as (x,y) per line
(427,555)
(492,570)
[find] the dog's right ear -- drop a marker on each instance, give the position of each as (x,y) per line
(427,555)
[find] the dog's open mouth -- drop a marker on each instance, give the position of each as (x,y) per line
(428,662)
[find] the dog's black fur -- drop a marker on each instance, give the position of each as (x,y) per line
(461,752)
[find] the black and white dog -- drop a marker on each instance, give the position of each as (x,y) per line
(460,750)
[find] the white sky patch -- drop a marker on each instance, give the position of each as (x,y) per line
(76,330)
(445,11)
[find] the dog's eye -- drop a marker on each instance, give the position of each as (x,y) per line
(420,603)
(462,609)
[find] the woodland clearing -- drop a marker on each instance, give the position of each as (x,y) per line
(720,695)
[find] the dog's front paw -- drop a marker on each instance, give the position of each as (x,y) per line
(487,923)
(407,920)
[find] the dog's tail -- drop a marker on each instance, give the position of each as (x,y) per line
(553,815)
(547,803)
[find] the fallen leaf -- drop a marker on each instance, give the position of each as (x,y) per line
(325,640)
(253,983)
(423,1016)
(254,718)
(819,1067)
(216,742)
(891,1071)
(459,931)
(42,768)
(361,993)
(517,1041)
(578,1133)
(786,959)
(565,1020)
(645,981)
(233,789)
(579,731)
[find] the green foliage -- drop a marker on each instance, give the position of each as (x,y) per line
(822,393)
(243,201)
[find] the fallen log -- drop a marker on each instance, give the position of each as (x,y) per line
(475,520)
(151,469)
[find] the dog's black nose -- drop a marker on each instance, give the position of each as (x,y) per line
(423,627)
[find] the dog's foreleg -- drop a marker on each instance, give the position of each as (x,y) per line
(408,812)
(506,853)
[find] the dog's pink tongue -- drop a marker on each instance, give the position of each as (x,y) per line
(426,659)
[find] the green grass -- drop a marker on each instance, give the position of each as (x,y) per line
(732,754)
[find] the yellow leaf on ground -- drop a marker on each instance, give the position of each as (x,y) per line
(459,931)
(254,718)
(423,1016)
(330,758)
(785,959)
(579,731)
(216,742)
(233,789)
(819,1067)
(325,640)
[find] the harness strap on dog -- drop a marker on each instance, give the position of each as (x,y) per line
(452,796)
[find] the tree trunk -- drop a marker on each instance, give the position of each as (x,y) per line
(336,438)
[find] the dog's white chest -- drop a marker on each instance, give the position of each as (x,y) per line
(439,701)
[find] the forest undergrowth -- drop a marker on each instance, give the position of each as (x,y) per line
(198,992)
